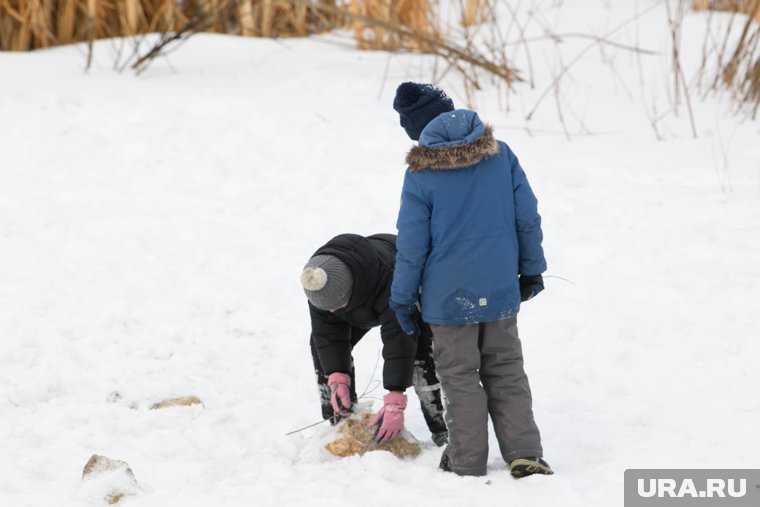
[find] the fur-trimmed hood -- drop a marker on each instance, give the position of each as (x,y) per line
(453,140)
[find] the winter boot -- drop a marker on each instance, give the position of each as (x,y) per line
(523,467)
(441,438)
(445,463)
(428,388)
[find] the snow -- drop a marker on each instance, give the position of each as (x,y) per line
(153,228)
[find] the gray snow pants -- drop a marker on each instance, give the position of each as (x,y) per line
(481,372)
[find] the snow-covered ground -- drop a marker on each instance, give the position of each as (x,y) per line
(152,230)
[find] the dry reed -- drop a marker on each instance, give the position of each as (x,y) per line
(409,25)
(33,24)
(739,67)
(740,6)
(369,20)
(473,11)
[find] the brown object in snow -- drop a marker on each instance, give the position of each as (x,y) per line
(356,438)
(101,464)
(184,401)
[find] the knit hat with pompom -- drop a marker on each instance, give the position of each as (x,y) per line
(327,282)
(417,104)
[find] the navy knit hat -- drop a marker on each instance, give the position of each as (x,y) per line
(418,104)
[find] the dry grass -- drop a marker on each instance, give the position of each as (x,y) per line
(370,21)
(33,24)
(741,6)
(393,25)
(738,65)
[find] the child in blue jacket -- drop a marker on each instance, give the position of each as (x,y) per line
(469,251)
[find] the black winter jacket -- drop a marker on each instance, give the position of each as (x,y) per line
(371,261)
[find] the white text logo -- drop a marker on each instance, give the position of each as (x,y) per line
(716,488)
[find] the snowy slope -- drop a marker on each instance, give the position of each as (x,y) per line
(152,230)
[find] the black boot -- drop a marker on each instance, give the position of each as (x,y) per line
(445,463)
(523,467)
(427,386)
(441,438)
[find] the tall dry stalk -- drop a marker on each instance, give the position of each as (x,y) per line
(247,25)
(675,21)
(131,16)
(472,11)
(66,25)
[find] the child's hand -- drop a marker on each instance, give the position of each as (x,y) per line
(405,317)
(340,396)
(530,286)
(390,419)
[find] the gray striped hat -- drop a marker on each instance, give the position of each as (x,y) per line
(327,282)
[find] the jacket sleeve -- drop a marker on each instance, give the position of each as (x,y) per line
(399,350)
(332,339)
(529,234)
(412,244)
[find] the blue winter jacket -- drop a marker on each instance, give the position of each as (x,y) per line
(468,225)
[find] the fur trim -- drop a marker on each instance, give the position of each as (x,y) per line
(453,157)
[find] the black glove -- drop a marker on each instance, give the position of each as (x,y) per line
(530,286)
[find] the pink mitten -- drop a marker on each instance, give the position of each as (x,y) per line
(341,394)
(390,418)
